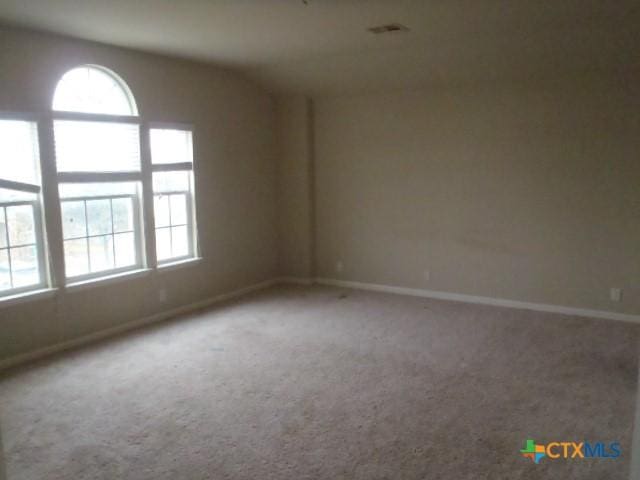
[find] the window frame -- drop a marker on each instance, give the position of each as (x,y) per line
(47,206)
(118,80)
(192,225)
(138,226)
(106,176)
(39,245)
(39,221)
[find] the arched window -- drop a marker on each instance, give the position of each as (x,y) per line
(97,150)
(115,178)
(93,89)
(102,179)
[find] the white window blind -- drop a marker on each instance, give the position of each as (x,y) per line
(88,146)
(172,165)
(165,182)
(19,156)
(171,146)
(22,260)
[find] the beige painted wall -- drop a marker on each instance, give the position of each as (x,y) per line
(295,187)
(524,192)
(235,181)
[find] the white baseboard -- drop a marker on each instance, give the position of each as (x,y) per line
(158,317)
(118,329)
(296,280)
(500,302)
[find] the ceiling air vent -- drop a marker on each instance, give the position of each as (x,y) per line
(391,27)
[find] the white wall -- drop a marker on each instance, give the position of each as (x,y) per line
(235,164)
(528,192)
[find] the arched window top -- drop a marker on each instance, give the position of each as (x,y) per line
(93,89)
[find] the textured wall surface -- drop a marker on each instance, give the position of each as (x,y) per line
(527,192)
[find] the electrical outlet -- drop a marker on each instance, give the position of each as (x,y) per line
(339,266)
(426,275)
(615,294)
(162,295)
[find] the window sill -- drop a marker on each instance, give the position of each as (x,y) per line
(188,262)
(107,279)
(30,296)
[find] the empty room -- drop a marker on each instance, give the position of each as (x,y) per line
(319,239)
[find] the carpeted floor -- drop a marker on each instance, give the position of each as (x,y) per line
(325,383)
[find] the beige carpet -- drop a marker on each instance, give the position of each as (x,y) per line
(325,383)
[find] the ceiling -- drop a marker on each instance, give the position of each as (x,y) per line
(323,46)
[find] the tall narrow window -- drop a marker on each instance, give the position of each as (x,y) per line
(22,256)
(173,194)
(97,151)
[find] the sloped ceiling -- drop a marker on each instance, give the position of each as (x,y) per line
(323,46)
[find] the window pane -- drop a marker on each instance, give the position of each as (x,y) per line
(5,274)
(101,253)
(83,146)
(102,249)
(19,155)
(73,220)
(99,217)
(122,214)
(92,90)
(163,243)
(179,241)
(24,267)
(74,190)
(16,196)
(21,227)
(178,209)
(161,210)
(3,229)
(170,146)
(125,249)
(171,182)
(76,257)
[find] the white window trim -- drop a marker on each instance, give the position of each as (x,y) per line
(192,226)
(40,232)
(140,218)
(47,207)
(29,296)
(107,279)
(177,264)
(148,260)
(137,232)
(39,243)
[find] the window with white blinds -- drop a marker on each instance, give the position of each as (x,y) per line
(173,191)
(123,205)
(19,152)
(102,227)
(89,146)
(22,256)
